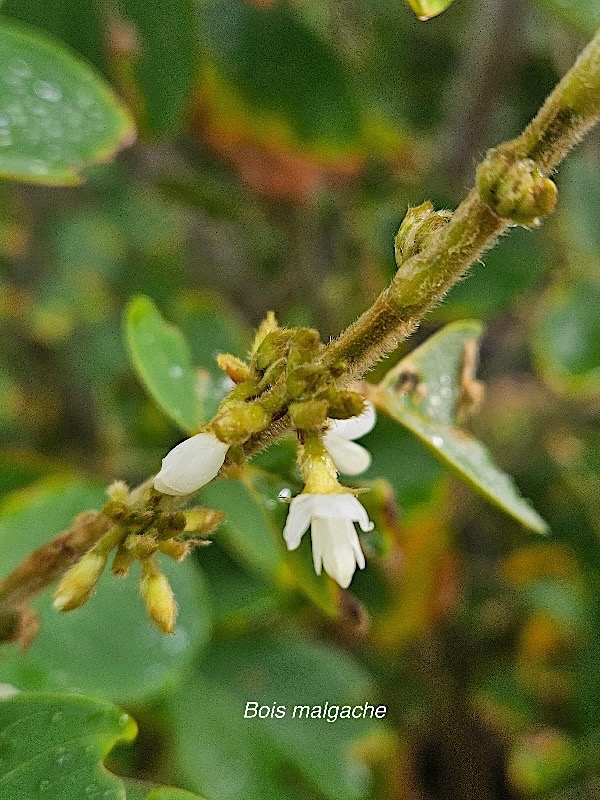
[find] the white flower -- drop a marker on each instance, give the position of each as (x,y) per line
(331,518)
(191,464)
(349,457)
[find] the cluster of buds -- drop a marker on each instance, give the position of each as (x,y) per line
(285,375)
(141,530)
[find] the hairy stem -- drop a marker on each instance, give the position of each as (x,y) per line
(423,280)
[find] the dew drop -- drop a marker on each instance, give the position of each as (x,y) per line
(437,441)
(123,719)
(47,91)
(4,121)
(176,371)
(56,717)
(43,785)
(284,495)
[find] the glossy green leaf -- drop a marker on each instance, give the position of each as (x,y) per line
(566,337)
(280,70)
(57,116)
(164,60)
(211,327)
(136,790)
(427,9)
(162,359)
(249,532)
(172,794)
(53,746)
(142,659)
(583,14)
(252,534)
(422,393)
(232,758)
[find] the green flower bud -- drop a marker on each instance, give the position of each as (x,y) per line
(303,378)
(158,596)
(238,421)
(234,367)
(78,584)
(344,404)
(308,413)
(122,562)
(174,549)
(417,230)
(267,326)
(273,347)
(516,190)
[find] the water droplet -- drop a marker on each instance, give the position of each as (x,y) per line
(437,441)
(284,495)
(38,167)
(446,392)
(61,756)
(47,91)
(176,371)
(20,68)
(123,719)
(56,717)
(43,785)
(4,121)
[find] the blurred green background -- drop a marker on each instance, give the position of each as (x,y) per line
(279,146)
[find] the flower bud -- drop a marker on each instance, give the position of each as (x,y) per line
(233,367)
(268,325)
(78,584)
(238,421)
(190,465)
(344,404)
(515,189)
(158,596)
(308,413)
(418,228)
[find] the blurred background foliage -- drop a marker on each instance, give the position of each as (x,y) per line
(279,146)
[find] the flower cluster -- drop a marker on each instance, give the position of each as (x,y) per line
(325,506)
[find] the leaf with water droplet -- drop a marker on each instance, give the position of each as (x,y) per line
(57,116)
(41,727)
(426,391)
(163,362)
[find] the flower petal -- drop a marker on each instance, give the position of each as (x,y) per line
(333,538)
(298,519)
(355,427)
(349,457)
(343,505)
(191,464)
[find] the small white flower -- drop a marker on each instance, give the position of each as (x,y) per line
(335,543)
(191,464)
(349,457)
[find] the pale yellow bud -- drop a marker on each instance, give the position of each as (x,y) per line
(78,584)
(158,596)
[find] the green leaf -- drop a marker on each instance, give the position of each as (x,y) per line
(583,14)
(164,60)
(429,410)
(172,794)
(232,758)
(210,326)
(249,532)
(278,70)
(136,790)
(252,534)
(58,116)
(427,9)
(70,649)
(566,337)
(162,359)
(53,746)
